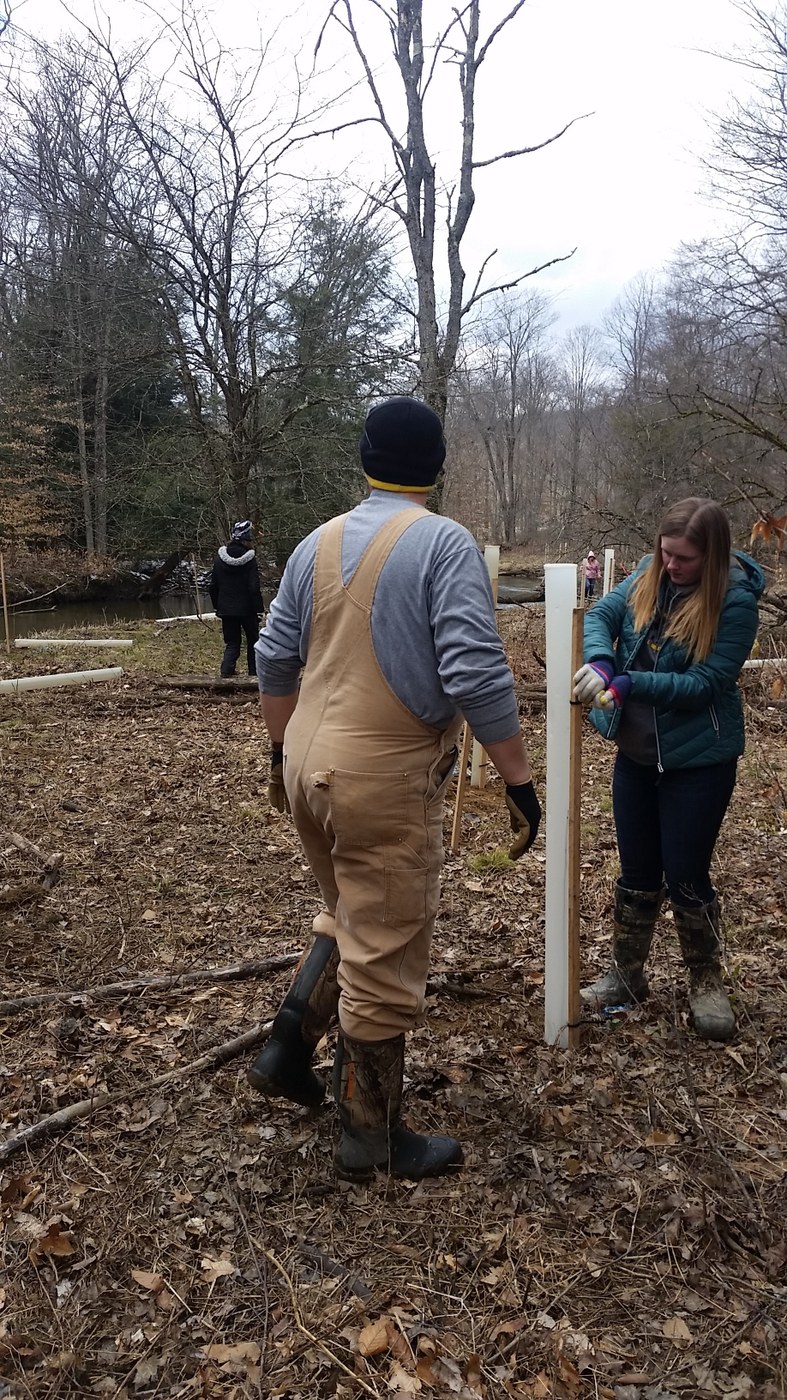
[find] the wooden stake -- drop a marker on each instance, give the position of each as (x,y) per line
(196,587)
(575,835)
(5,605)
(461,784)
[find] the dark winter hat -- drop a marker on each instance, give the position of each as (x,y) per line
(241,531)
(402,447)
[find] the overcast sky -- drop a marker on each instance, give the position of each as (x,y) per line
(623,186)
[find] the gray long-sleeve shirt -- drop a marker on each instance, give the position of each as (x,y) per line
(433,622)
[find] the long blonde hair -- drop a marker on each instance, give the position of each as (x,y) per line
(702,523)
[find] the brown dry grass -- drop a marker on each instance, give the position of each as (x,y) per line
(618,1229)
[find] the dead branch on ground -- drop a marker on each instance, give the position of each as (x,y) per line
(172,983)
(30,890)
(65,1118)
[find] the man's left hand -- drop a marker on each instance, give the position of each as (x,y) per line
(525,812)
(277,794)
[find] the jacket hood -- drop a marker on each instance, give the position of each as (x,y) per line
(235,554)
(746,571)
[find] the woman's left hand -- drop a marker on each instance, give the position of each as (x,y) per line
(616,694)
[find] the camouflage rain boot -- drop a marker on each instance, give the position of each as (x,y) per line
(367,1087)
(699,932)
(283,1068)
(634,915)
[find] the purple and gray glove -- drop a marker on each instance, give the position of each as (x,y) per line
(616,693)
(591,679)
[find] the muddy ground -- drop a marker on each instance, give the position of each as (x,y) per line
(619,1227)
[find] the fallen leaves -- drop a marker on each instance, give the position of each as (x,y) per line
(235,1357)
(677,1331)
(54,1243)
(597,1205)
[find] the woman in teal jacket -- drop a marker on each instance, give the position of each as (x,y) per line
(663,653)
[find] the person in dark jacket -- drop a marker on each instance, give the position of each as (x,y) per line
(663,653)
(237,597)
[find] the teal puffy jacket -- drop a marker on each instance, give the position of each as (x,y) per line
(696,706)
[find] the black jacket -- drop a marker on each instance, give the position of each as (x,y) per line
(235,582)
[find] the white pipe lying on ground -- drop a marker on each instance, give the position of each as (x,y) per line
(12,687)
(767,661)
(40,642)
(190,617)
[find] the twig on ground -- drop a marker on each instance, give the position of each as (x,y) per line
(31,890)
(65,1118)
(334,1269)
(172,983)
(449,985)
(299,1323)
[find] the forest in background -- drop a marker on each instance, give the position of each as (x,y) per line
(190,333)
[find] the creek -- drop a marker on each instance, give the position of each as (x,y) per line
(33,622)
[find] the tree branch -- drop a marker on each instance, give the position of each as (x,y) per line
(236,973)
(65,1118)
(506,286)
(529,150)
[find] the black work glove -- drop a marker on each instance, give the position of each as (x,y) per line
(276,793)
(525,810)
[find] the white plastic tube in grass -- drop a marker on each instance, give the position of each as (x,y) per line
(41,643)
(20,683)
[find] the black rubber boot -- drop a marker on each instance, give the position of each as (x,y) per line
(634,918)
(283,1068)
(367,1086)
(699,933)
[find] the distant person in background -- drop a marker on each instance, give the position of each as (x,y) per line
(592,571)
(236,596)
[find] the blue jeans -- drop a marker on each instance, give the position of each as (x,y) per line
(667,825)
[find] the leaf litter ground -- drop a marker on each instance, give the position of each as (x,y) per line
(618,1228)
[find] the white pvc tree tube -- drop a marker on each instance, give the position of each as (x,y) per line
(561,598)
(39,643)
(609,570)
(12,687)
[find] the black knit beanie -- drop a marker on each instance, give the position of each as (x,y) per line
(402,447)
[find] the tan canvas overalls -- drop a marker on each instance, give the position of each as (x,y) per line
(365,779)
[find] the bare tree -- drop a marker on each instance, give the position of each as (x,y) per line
(631,327)
(747,161)
(219,232)
(64,151)
(504,390)
(415,192)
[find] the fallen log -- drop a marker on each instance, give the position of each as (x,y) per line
(208,682)
(173,982)
(65,1118)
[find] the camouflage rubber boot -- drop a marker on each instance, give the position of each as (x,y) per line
(699,932)
(634,915)
(367,1086)
(283,1068)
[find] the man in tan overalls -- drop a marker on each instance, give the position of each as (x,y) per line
(388,613)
